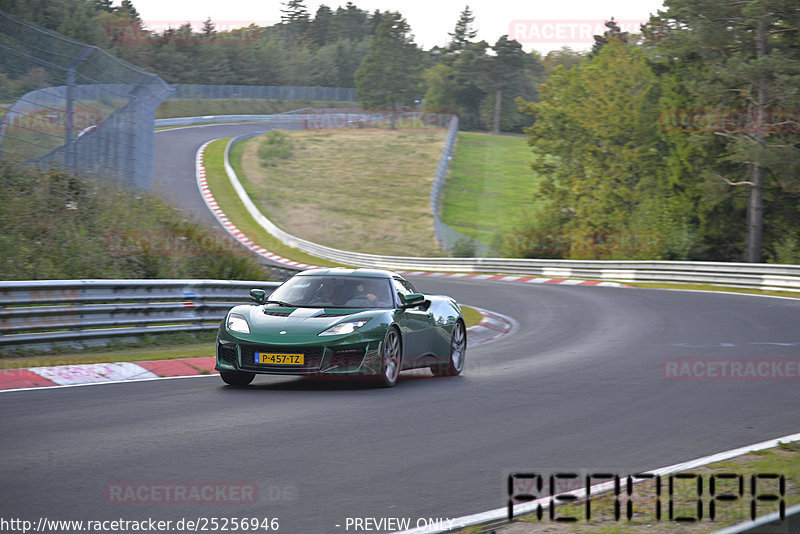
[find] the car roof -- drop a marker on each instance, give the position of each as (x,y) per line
(342,271)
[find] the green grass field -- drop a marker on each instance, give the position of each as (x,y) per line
(357,190)
(490,187)
(230,204)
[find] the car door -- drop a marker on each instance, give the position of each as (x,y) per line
(417,324)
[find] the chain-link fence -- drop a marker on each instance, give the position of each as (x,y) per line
(449,239)
(70,105)
(263,92)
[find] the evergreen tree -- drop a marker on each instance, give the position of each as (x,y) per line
(208,30)
(295,19)
(127,10)
(390,74)
(104,5)
(320,26)
(464,32)
(752,49)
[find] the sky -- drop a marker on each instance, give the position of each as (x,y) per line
(540,25)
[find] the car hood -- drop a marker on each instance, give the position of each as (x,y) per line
(296,324)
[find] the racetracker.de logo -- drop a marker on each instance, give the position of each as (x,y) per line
(734,369)
(181,493)
(566,30)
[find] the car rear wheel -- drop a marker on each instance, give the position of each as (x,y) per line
(236,378)
(458,349)
(391,359)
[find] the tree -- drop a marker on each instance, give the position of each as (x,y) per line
(349,22)
(464,32)
(320,26)
(751,49)
(564,56)
(390,75)
(295,19)
(209,29)
(613,32)
(440,93)
(104,5)
(294,12)
(503,74)
(127,10)
(597,143)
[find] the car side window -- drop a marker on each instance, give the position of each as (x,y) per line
(402,288)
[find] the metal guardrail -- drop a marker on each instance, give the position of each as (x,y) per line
(42,313)
(761,275)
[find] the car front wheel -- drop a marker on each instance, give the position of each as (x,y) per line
(236,378)
(458,349)
(391,359)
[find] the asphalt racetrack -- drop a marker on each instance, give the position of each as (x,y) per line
(577,385)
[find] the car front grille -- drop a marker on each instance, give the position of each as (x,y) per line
(348,358)
(312,357)
(228,353)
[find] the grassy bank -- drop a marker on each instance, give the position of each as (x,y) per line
(57,226)
(357,190)
(234,209)
(490,186)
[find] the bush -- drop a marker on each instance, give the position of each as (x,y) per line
(54,225)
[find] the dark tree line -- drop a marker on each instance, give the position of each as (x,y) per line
(477,81)
(683,144)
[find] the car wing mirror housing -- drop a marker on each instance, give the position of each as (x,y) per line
(413,299)
(259,296)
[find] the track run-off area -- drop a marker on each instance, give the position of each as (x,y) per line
(583,381)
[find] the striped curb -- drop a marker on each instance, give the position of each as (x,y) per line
(239,236)
(491,327)
(226,223)
(525,279)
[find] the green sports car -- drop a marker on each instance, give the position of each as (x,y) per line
(345,322)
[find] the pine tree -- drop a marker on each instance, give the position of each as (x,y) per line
(464,32)
(104,5)
(127,10)
(754,59)
(390,74)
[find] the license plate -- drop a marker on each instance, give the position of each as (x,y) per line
(273,358)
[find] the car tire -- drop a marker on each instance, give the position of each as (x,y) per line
(458,351)
(391,359)
(236,378)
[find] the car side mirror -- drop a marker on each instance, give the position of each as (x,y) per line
(413,299)
(258,295)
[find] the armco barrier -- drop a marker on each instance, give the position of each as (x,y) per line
(757,275)
(41,313)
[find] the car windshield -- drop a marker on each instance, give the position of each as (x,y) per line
(334,292)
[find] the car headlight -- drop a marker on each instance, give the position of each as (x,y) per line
(344,328)
(237,323)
